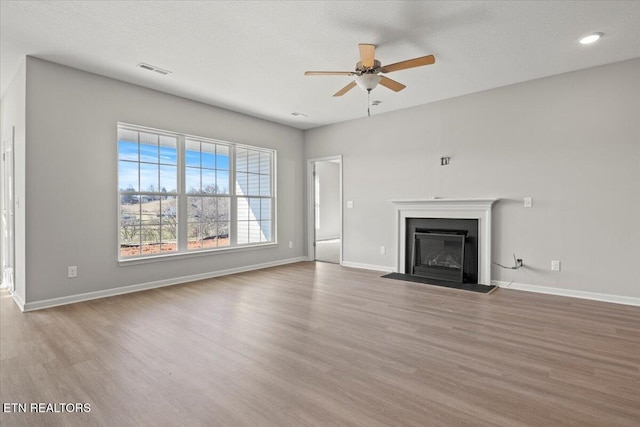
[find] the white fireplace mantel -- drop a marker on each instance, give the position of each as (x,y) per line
(479,209)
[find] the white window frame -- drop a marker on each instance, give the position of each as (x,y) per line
(182,197)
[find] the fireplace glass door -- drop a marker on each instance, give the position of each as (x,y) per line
(439,255)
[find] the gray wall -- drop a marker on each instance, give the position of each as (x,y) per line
(72,189)
(329,175)
(572,142)
(14,115)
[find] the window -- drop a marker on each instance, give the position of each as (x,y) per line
(253,187)
(207,188)
(176,194)
(148,182)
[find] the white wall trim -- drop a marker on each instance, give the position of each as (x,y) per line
(53,302)
(617,299)
(373,267)
(18,300)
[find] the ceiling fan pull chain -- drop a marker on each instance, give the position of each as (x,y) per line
(369,102)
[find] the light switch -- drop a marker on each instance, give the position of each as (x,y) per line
(528,202)
(350,204)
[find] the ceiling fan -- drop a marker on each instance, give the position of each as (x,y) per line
(368,71)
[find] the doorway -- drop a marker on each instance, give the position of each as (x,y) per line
(325,209)
(7,203)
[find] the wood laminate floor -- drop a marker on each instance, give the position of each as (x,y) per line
(313,344)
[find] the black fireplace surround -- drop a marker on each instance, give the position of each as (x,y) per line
(442,249)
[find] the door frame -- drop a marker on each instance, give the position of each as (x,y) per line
(311,223)
(7,213)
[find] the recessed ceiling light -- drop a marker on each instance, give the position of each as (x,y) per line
(153,68)
(591,38)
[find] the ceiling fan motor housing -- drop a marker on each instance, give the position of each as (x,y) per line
(360,69)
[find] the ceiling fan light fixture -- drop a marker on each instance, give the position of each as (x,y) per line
(368,81)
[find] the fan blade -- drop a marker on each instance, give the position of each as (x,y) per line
(345,89)
(328,73)
(367,54)
(391,84)
(410,63)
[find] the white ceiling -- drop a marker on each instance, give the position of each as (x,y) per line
(250,56)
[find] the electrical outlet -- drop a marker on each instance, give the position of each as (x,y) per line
(72,271)
(290,245)
(528,202)
(555,265)
(383,250)
(519,263)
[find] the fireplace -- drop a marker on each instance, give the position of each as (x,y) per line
(442,249)
(469,218)
(438,255)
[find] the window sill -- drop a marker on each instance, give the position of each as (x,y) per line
(181,255)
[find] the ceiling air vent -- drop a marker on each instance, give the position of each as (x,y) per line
(153,68)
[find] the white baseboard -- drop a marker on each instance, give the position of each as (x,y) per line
(373,267)
(18,300)
(618,299)
(53,302)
